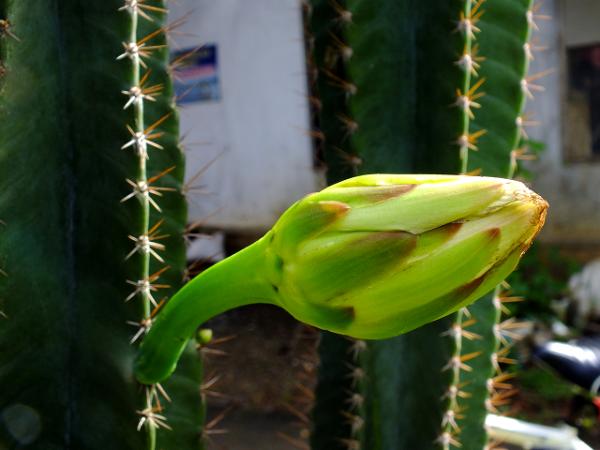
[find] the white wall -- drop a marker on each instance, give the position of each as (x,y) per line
(572,189)
(258,129)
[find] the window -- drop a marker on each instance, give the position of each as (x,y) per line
(582,118)
(583,102)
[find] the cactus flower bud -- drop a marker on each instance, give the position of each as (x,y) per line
(370,257)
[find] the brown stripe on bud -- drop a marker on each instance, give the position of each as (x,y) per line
(451,229)
(467,289)
(363,195)
(349,312)
(494,233)
(387,235)
(406,241)
(307,219)
(383,193)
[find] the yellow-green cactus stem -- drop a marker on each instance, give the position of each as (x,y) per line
(370,257)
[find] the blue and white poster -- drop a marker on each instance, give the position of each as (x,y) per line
(196,75)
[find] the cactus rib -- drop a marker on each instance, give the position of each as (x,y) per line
(143,244)
(158,240)
(62,178)
(435,54)
(466,101)
(502,141)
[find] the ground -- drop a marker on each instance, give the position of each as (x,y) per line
(262,367)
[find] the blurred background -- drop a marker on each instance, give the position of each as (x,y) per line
(250,146)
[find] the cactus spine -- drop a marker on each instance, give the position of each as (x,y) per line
(66,363)
(428,88)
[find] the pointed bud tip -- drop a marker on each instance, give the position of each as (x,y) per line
(334,207)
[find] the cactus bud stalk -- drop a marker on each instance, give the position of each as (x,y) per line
(371,257)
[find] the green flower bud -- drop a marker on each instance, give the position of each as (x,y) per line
(378,255)
(370,257)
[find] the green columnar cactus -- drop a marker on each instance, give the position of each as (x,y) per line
(69,199)
(501,115)
(434,87)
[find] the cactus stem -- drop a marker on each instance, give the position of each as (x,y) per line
(466,97)
(143,189)
(469,63)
